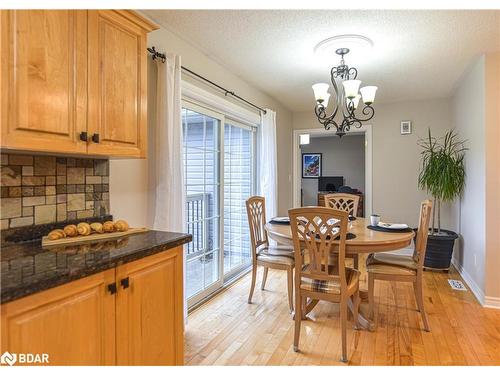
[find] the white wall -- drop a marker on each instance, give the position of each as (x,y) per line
(340,157)
(129,196)
(492,135)
(469,116)
(396,157)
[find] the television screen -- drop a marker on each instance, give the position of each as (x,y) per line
(330,183)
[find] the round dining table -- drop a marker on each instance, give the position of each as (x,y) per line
(364,241)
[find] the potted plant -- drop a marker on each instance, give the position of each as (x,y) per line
(442,175)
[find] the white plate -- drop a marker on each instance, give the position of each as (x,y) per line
(392,226)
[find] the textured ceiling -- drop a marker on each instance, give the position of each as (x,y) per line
(417,54)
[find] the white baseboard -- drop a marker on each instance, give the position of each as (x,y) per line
(476,290)
(492,302)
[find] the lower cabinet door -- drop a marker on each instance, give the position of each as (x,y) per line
(74,323)
(149,304)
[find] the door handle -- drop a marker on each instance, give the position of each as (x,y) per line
(125,283)
(95,138)
(83,136)
(112,288)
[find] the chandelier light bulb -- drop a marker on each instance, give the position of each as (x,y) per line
(325,100)
(368,93)
(321,92)
(355,101)
(351,88)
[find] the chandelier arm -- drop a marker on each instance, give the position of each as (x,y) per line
(369,112)
(323,119)
(353,71)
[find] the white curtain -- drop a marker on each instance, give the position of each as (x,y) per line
(268,170)
(169,166)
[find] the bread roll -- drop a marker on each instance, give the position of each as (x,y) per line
(83,229)
(97,227)
(70,230)
(108,226)
(56,234)
(121,226)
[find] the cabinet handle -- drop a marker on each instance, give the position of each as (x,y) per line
(125,283)
(95,138)
(112,288)
(83,136)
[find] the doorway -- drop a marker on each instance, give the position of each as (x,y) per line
(305,191)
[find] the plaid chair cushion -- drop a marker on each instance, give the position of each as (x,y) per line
(331,286)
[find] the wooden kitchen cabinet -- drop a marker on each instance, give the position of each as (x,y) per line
(73,323)
(117,83)
(74,81)
(129,315)
(150,328)
(43,80)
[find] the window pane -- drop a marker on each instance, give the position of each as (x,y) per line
(201,173)
(238,183)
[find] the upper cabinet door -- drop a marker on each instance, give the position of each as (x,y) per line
(117,84)
(43,80)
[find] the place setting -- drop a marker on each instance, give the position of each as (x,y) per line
(380,226)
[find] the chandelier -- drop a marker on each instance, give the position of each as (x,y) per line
(347,98)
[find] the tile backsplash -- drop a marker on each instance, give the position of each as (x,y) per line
(47,189)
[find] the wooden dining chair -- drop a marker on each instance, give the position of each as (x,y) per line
(344,202)
(316,232)
(409,268)
(275,257)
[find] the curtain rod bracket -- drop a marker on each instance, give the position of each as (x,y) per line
(157,55)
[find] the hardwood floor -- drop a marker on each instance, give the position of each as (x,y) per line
(228,331)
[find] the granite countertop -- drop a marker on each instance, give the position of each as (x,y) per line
(28,268)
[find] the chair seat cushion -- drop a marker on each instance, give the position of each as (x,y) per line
(391,264)
(276,254)
(331,286)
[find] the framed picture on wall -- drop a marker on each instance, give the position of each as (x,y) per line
(311,165)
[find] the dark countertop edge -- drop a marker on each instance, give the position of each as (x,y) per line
(64,279)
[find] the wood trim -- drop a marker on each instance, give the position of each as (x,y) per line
(138,19)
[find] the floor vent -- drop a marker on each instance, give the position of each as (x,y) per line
(457,285)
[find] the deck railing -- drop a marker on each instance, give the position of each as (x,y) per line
(196,211)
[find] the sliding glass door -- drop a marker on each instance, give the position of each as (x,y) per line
(202,178)
(219,167)
(239,170)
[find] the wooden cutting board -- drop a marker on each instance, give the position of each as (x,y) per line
(91,237)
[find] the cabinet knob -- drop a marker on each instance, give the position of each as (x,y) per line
(125,283)
(95,138)
(83,136)
(112,288)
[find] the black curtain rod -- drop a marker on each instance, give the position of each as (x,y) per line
(161,56)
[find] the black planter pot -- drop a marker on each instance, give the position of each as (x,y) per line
(439,250)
